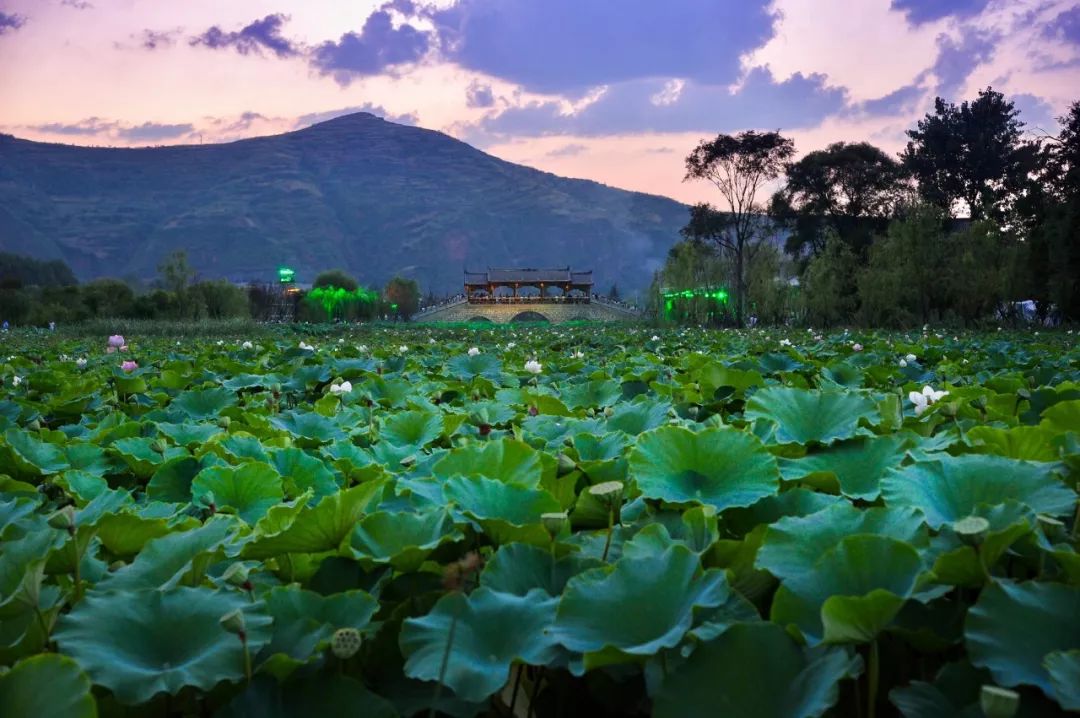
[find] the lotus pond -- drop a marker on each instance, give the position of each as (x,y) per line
(542,522)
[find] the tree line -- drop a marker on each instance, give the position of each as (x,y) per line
(38,292)
(973,217)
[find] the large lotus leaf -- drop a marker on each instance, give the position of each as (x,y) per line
(793,544)
(142,643)
(164,562)
(1064,670)
(402,540)
(953,694)
(1030,443)
(713,376)
(412,428)
(803,416)
(32,456)
(491,499)
(46,686)
(757,671)
(1014,627)
(320,695)
(83,485)
(308,428)
(852,592)
(467,367)
(244,447)
(519,568)
(125,534)
(491,632)
(172,480)
(1063,416)
(189,434)
(638,417)
(322,527)
(142,458)
(591,394)
(304,620)
(89,458)
(250,489)
(201,404)
(302,471)
(721,467)
(637,606)
(951,488)
(856,466)
(507,460)
(957,562)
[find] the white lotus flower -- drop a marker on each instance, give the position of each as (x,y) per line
(785,342)
(80,362)
(343,388)
(362,348)
(221,342)
(857,347)
(431,340)
(910,357)
(510,345)
(533,367)
(16,380)
(925,399)
(473,351)
(306,347)
(655,338)
(578,355)
(247,345)
(403,348)
(903,363)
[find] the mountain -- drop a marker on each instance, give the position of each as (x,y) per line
(356,192)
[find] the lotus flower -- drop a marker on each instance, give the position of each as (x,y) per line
(785,342)
(343,388)
(473,351)
(533,367)
(903,363)
(922,401)
(655,338)
(403,348)
(16,380)
(81,362)
(857,347)
(306,347)
(910,357)
(116,341)
(578,355)
(247,345)
(362,348)
(129,366)
(510,345)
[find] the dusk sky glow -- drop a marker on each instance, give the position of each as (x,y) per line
(613,91)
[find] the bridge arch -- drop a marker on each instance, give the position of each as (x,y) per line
(480,319)
(530,316)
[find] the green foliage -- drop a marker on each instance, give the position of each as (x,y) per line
(17,271)
(339,302)
(402,297)
(830,293)
(338,278)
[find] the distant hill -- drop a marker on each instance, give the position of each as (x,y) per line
(356,192)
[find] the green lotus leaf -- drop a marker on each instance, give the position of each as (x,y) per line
(139,454)
(715,376)
(803,416)
(201,404)
(953,694)
(126,534)
(189,434)
(777,362)
(1029,443)
(46,686)
(492,632)
(172,479)
(304,621)
(302,471)
(319,528)
(142,643)
(317,695)
(82,484)
(1014,627)
(491,499)
(308,428)
(165,562)
(951,488)
(89,458)
(636,607)
(793,544)
(244,447)
(857,465)
(467,367)
(507,460)
(402,540)
(724,677)
(519,568)
(1063,416)
(1064,670)
(33,457)
(250,489)
(412,428)
(852,592)
(594,394)
(720,467)
(638,417)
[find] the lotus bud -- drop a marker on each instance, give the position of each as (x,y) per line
(693,412)
(64,519)
(116,565)
(237,575)
(224,422)
(566,464)
(34,425)
(609,412)
(159,446)
(609,493)
(971,528)
(591,412)
(998,702)
(554,523)
(233,622)
(345,643)
(408,461)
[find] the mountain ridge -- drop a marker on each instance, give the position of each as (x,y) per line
(357,192)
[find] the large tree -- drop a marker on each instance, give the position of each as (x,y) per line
(403,296)
(740,166)
(972,153)
(850,189)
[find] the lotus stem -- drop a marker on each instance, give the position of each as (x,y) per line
(872,678)
(535,691)
(517,684)
(247,657)
(443,667)
(610,530)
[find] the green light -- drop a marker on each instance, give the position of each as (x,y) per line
(285,275)
(331,299)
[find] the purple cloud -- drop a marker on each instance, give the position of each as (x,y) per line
(568,150)
(251,39)
(920,11)
(315,118)
(1066,26)
(378,46)
(9,22)
(479,95)
(956,60)
(77,4)
(893,103)
(153,39)
(89,126)
(568,46)
(151,131)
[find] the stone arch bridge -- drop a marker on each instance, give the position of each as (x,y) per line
(534,311)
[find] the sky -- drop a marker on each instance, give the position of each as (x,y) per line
(618,91)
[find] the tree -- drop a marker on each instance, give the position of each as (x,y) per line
(176,273)
(108,298)
(829,288)
(691,265)
(27,271)
(969,153)
(403,296)
(851,189)
(336,278)
(739,166)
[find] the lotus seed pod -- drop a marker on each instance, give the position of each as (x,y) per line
(999,702)
(233,621)
(159,446)
(63,519)
(554,523)
(608,493)
(609,411)
(566,464)
(971,527)
(34,425)
(693,412)
(224,422)
(345,643)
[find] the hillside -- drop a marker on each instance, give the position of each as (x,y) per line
(356,192)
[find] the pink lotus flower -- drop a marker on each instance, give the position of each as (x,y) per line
(116,341)
(129,366)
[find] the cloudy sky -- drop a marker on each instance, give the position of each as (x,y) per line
(613,90)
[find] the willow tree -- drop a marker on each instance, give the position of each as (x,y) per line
(741,167)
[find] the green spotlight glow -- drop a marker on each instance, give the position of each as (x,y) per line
(285,275)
